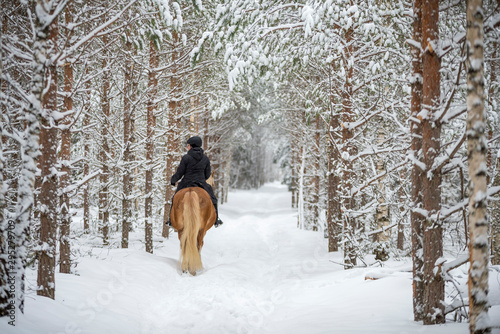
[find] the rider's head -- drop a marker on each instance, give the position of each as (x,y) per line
(194,141)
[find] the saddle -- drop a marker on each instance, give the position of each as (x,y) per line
(198,184)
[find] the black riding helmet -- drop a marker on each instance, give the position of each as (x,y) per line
(195,141)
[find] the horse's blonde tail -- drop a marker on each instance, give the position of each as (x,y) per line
(191,259)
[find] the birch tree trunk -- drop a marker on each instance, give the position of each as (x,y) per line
(151,123)
(477,149)
(48,162)
(382,211)
(417,220)
(431,185)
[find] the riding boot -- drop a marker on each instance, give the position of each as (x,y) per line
(168,222)
(218,222)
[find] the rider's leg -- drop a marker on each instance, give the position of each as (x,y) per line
(218,222)
(210,191)
(168,222)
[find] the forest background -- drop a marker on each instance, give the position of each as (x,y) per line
(359,106)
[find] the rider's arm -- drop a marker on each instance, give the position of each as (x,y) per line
(180,171)
(208,170)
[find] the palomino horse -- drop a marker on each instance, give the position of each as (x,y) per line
(192,215)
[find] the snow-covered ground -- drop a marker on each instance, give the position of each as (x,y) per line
(262,275)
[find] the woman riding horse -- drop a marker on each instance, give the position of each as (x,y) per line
(194,170)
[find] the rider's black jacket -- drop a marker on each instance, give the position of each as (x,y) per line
(194,170)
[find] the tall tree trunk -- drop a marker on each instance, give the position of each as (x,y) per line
(30,151)
(151,123)
(65,157)
(127,110)
(315,178)
(300,193)
(216,163)
(417,220)
(134,202)
(495,220)
(333,213)
(431,185)
(401,224)
(48,162)
(348,150)
(206,128)
(382,211)
(227,170)
(293,169)
(86,155)
(477,155)
(495,205)
(464,210)
(104,153)
(172,133)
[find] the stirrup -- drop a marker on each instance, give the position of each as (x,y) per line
(218,222)
(169,223)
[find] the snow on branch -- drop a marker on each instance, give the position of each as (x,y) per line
(288,26)
(356,190)
(452,154)
(94,32)
(493,22)
(444,213)
(383,229)
(447,266)
(75,186)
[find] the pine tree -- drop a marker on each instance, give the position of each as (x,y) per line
(65,157)
(151,123)
(417,220)
(334,213)
(433,312)
(48,34)
(127,128)
(104,152)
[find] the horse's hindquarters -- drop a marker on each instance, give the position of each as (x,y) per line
(191,213)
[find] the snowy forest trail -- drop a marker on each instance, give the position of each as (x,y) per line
(262,275)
